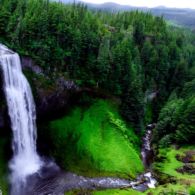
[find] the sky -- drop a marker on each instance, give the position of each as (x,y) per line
(151,3)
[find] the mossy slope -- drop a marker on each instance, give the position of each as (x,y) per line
(96,138)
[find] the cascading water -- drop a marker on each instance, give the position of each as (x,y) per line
(22,114)
(147,155)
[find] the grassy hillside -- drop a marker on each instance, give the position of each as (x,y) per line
(96,138)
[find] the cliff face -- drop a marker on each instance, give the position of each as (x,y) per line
(52,96)
(52,102)
(53,93)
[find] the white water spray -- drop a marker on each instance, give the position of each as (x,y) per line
(22,114)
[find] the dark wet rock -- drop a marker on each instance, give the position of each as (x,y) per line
(179,157)
(64,84)
(2,119)
(151,126)
(141,188)
(28,63)
(51,180)
(51,103)
(187,168)
(163,178)
(2,103)
(55,100)
(59,182)
(187,157)
(53,94)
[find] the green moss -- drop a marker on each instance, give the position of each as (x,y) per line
(96,139)
(184,183)
(170,164)
(106,192)
(192,190)
(3,170)
(39,81)
(117,192)
(170,189)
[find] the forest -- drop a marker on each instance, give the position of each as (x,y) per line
(99,79)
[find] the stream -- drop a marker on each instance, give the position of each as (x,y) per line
(51,180)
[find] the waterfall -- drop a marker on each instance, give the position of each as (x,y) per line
(147,155)
(21,108)
(147,152)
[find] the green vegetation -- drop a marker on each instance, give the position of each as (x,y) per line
(100,140)
(177,118)
(115,192)
(126,54)
(168,189)
(169,164)
(164,189)
(3,170)
(192,190)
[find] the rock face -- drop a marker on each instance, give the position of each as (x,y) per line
(52,96)
(188,159)
(28,63)
(52,102)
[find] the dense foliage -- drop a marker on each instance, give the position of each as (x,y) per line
(131,54)
(177,118)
